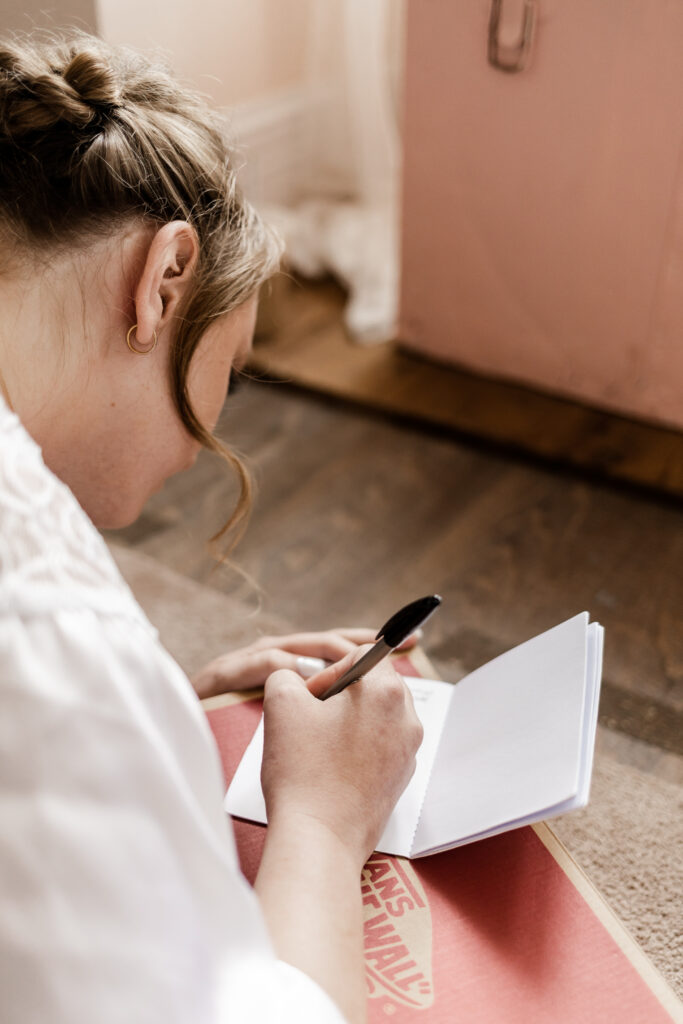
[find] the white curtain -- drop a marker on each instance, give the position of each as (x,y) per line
(344,217)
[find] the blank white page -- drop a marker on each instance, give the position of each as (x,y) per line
(244,798)
(511,743)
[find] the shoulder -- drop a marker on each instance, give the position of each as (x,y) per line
(51,555)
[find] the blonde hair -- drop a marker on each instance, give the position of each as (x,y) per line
(93,136)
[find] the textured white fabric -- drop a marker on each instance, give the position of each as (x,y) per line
(121,897)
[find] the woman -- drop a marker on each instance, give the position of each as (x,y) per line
(129,274)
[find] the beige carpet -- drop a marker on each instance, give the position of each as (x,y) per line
(629,840)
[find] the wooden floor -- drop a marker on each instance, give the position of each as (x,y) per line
(358,513)
(302,339)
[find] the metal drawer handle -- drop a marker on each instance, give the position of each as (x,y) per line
(511,58)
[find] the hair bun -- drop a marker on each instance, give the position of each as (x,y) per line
(92,80)
(68,85)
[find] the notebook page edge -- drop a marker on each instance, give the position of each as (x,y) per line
(596,634)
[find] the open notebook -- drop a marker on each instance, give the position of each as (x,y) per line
(510,744)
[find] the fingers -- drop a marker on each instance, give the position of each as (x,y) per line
(325,679)
(356,635)
(247,669)
(307,654)
(343,762)
(283,693)
(318,684)
(284,697)
(308,667)
(328,645)
(283,680)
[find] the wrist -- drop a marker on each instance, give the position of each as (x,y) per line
(346,846)
(309,887)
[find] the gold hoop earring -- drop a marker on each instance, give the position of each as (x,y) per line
(140,351)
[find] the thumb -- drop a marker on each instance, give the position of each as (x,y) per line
(328,677)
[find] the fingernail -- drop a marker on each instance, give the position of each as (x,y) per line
(307,667)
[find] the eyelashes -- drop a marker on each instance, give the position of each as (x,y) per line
(235,383)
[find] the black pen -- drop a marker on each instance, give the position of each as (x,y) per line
(392,634)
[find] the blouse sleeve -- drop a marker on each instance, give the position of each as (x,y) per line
(123,899)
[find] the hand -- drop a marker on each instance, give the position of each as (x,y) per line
(250,666)
(342,763)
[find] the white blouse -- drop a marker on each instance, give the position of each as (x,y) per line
(122,900)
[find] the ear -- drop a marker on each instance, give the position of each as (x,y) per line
(166,276)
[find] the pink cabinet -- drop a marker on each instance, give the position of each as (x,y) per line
(543,208)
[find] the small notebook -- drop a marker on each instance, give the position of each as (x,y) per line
(510,744)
